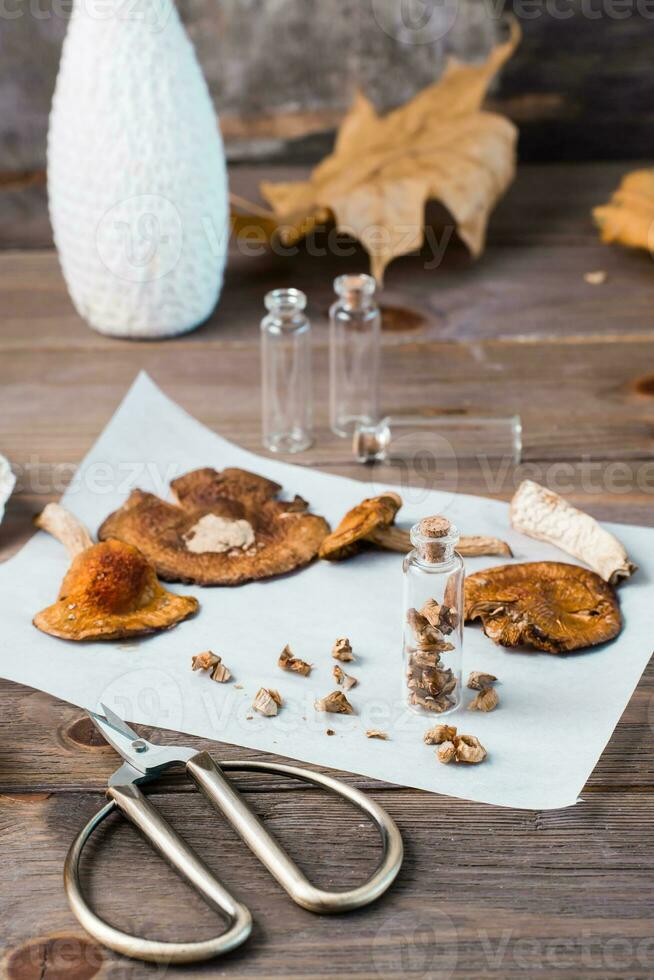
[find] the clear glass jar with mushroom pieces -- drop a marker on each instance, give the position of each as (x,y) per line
(433,618)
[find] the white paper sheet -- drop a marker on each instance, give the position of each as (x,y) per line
(556,713)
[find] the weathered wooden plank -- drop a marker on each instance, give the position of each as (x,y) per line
(577,900)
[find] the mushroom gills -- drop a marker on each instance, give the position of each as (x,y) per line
(550,606)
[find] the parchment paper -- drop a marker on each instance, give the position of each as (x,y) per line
(556,713)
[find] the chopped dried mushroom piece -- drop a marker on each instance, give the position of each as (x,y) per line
(486,700)
(221,674)
(209,661)
(330,731)
(375,733)
(335,703)
(288,662)
(267,702)
(478,680)
(204,661)
(547,605)
(453,747)
(469,749)
(344,680)
(429,682)
(439,734)
(342,650)
(543,514)
(446,752)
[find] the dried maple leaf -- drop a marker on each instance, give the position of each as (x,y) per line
(629,216)
(384,169)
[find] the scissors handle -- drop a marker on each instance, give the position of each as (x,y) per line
(231,804)
(183,859)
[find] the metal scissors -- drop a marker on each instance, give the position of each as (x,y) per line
(144,761)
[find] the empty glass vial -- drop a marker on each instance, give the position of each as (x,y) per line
(286,373)
(439,437)
(355,328)
(433,618)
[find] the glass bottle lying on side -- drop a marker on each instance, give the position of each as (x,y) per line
(442,437)
(433,618)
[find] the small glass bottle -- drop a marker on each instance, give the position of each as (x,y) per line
(433,618)
(442,437)
(355,329)
(286,373)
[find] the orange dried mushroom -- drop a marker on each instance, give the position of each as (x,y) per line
(110,590)
(547,605)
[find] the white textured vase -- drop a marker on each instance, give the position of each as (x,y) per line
(137,180)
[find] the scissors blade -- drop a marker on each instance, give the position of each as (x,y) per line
(144,756)
(121,737)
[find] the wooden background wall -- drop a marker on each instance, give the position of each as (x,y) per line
(581,86)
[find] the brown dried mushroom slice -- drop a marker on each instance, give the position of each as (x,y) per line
(228,528)
(110,591)
(372,522)
(548,605)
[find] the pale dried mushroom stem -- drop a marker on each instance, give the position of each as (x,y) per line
(477,680)
(65,527)
(291,663)
(469,546)
(376,733)
(477,545)
(544,515)
(439,734)
(346,681)
(486,700)
(335,703)
(342,650)
(267,702)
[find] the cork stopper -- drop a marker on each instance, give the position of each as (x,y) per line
(435,527)
(435,538)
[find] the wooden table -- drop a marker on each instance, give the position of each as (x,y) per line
(483,891)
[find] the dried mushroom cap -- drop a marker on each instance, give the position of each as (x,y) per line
(110,590)
(363,523)
(286,537)
(544,515)
(551,606)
